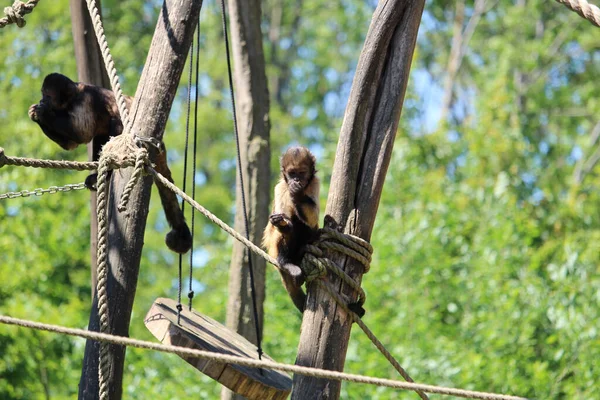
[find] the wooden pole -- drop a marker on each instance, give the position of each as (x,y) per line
(361,162)
(252,104)
(150,110)
(90,69)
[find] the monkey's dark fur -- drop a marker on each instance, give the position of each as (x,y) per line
(73,113)
(295,218)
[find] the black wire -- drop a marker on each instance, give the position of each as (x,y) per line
(185,161)
(195,152)
(239,159)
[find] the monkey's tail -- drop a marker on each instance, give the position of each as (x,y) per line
(179,239)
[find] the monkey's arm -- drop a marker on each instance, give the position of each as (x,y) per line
(57,126)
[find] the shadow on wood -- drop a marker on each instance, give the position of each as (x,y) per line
(197,331)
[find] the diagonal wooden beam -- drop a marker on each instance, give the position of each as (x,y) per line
(361,162)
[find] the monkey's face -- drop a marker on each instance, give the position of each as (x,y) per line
(297,179)
(52,100)
(58,92)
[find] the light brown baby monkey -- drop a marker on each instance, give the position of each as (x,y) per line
(294,221)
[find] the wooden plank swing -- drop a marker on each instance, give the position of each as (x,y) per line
(197,331)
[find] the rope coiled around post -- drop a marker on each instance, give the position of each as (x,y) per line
(119,152)
(360,250)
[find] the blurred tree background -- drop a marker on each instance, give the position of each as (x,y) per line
(487,243)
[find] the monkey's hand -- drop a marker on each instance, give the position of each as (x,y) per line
(281,222)
(33,112)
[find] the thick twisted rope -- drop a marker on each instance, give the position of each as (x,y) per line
(360,250)
(102,273)
(350,245)
(584,9)
(141,158)
(37,163)
(109,64)
(243,361)
(16,12)
(119,152)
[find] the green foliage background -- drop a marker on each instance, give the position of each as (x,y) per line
(486,266)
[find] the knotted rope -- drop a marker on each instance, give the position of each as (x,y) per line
(315,265)
(16,12)
(120,152)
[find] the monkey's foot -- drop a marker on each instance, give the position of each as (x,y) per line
(280,220)
(179,239)
(32,112)
(90,182)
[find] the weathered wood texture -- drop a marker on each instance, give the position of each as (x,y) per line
(362,158)
(150,110)
(252,106)
(90,69)
(196,331)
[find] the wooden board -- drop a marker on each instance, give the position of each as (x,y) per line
(197,331)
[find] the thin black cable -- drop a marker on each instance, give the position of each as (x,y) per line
(239,160)
(185,161)
(195,153)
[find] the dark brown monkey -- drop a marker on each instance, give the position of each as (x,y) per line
(295,218)
(73,113)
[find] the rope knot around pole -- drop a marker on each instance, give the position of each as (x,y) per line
(315,264)
(15,14)
(120,152)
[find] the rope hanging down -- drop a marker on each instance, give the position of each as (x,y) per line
(109,64)
(241,176)
(15,14)
(120,152)
(584,9)
(296,369)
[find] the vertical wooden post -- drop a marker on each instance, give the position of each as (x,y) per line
(90,69)
(149,113)
(252,104)
(362,158)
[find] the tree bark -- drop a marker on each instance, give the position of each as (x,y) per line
(90,69)
(362,158)
(252,104)
(150,110)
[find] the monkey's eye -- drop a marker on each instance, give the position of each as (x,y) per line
(294,174)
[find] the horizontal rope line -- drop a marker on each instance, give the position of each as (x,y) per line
(40,163)
(315,372)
